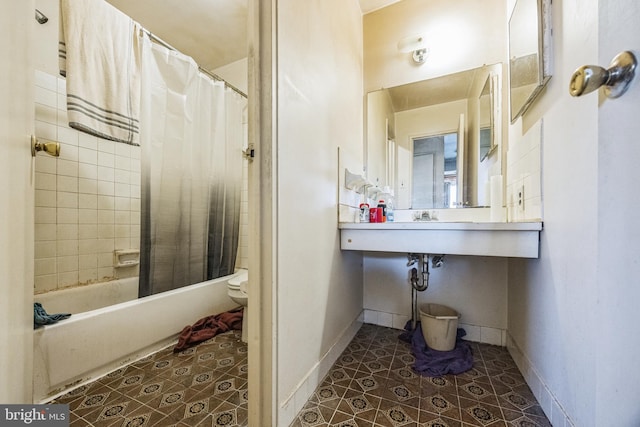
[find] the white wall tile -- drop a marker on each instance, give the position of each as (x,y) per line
(46,97)
(105,273)
(66,248)
(106,231)
(122,176)
(88,261)
(87,231)
(68,278)
(45,283)
(87,186)
(88,246)
(66,264)
(46,81)
(88,275)
(122,190)
(67,136)
(45,266)
(67,216)
(106,188)
(45,249)
(87,216)
(106,216)
(86,155)
(89,142)
(135,191)
(66,231)
(46,114)
(122,217)
(105,259)
(68,184)
(68,152)
(106,146)
(106,173)
(67,200)
(87,171)
(45,198)
(45,181)
(45,232)
(88,201)
(106,159)
(45,215)
(67,168)
(123,163)
(105,245)
(46,131)
(46,164)
(122,230)
(106,202)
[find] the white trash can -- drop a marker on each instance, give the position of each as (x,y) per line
(439,326)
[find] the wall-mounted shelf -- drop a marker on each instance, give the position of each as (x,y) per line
(503,239)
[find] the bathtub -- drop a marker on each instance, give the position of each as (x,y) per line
(91,344)
(89,297)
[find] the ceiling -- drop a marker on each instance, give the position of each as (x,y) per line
(213,32)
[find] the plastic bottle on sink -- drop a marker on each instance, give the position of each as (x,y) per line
(386,198)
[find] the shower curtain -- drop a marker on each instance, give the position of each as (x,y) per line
(191,149)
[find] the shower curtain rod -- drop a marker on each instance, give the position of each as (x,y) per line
(214,76)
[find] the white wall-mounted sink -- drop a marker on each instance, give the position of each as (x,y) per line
(505,239)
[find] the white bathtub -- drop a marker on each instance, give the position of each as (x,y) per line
(90,344)
(89,297)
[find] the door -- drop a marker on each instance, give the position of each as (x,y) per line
(16,202)
(618,225)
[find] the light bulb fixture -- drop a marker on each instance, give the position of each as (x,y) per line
(416,45)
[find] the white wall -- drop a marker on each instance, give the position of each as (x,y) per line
(460,35)
(475,286)
(319,107)
(16,203)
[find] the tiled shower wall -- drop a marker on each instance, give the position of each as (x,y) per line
(88,199)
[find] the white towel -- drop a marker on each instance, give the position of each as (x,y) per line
(100,54)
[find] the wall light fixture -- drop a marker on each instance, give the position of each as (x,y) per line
(415,44)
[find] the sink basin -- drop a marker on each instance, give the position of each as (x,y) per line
(506,239)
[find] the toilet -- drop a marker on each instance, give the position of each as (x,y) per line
(237,286)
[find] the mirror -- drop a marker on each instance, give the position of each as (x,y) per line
(529,44)
(437,128)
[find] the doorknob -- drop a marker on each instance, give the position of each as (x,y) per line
(616,79)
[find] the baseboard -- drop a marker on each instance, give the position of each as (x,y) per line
(550,405)
(476,333)
(299,397)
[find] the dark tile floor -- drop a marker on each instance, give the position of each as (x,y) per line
(372,384)
(203,386)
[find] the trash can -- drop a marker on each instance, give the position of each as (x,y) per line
(439,326)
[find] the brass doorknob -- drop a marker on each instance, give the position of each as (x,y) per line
(49,147)
(616,79)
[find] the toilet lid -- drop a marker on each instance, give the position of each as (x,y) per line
(241,276)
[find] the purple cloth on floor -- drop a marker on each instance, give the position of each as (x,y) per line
(434,363)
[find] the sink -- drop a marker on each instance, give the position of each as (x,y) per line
(504,239)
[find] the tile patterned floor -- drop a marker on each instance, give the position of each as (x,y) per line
(372,385)
(203,386)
